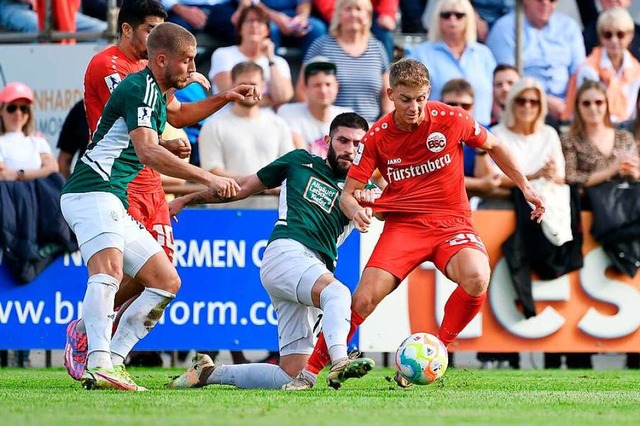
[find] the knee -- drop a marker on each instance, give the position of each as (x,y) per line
(476,281)
(363,304)
(173,284)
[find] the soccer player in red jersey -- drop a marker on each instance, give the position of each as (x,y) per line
(418,150)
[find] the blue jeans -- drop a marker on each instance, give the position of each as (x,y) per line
(16,16)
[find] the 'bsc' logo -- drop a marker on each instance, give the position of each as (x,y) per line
(436,142)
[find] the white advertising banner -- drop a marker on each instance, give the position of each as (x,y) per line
(55,73)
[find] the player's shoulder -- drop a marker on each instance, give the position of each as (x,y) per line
(379,129)
(442,114)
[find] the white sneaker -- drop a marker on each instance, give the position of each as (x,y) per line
(196,375)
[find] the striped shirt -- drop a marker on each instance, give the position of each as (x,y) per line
(359,78)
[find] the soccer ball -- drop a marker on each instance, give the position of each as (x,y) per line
(422,358)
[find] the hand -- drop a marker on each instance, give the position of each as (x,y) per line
(386,22)
(268,48)
(283,21)
(362,219)
(239,93)
(548,171)
(300,26)
(224,187)
(175,207)
(179,147)
(192,14)
(368,196)
(203,81)
(538,202)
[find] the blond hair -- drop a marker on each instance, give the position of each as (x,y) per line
(334,27)
(410,73)
(617,17)
(435,31)
(508,117)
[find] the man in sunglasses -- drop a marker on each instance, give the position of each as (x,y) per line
(553,49)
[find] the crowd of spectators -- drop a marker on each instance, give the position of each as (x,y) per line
(565,108)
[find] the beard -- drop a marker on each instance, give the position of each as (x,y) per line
(338,170)
(174,80)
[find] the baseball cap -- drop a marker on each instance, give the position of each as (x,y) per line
(14,91)
(319,63)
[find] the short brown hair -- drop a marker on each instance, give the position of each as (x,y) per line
(169,38)
(244,13)
(457,86)
(244,67)
(408,72)
(577,125)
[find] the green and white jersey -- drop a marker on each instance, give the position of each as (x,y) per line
(111,162)
(308,209)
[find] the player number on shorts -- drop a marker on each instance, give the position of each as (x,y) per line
(164,235)
(461,239)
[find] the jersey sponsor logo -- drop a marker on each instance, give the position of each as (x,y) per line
(436,142)
(112,81)
(394,161)
(359,151)
(321,193)
(398,174)
(144,116)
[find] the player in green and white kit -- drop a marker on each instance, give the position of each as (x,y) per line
(94,201)
(298,263)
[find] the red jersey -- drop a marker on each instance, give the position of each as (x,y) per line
(104,72)
(424,168)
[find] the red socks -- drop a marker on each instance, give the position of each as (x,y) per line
(459,310)
(320,356)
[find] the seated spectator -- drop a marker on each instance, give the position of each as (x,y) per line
(504,77)
(254,45)
(29,184)
(23,156)
(383,23)
(553,49)
(452,52)
(361,60)
(22,16)
(612,64)
(309,121)
(212,17)
(592,36)
(240,140)
(73,138)
(291,22)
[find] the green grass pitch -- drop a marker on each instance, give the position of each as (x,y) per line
(493,397)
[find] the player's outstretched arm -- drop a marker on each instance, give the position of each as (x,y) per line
(180,115)
(508,164)
(250,185)
(150,153)
(361,216)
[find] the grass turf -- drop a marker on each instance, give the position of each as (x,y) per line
(50,397)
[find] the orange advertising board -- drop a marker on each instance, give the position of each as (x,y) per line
(595,309)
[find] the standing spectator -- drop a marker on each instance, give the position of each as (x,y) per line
(213,17)
(504,77)
(22,16)
(592,36)
(612,64)
(254,45)
(309,121)
(553,48)
(74,137)
(453,52)
(362,63)
(240,140)
(291,22)
(23,156)
(383,23)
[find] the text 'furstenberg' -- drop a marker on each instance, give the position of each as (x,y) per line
(399,174)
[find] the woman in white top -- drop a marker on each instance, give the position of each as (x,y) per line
(254,45)
(23,156)
(534,144)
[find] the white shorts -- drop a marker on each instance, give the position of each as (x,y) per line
(289,270)
(100,221)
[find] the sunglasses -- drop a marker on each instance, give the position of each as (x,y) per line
(448,15)
(598,103)
(550,1)
(464,105)
(11,108)
(608,35)
(524,101)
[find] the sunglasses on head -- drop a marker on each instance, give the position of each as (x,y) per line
(587,103)
(608,35)
(520,101)
(448,15)
(11,108)
(464,105)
